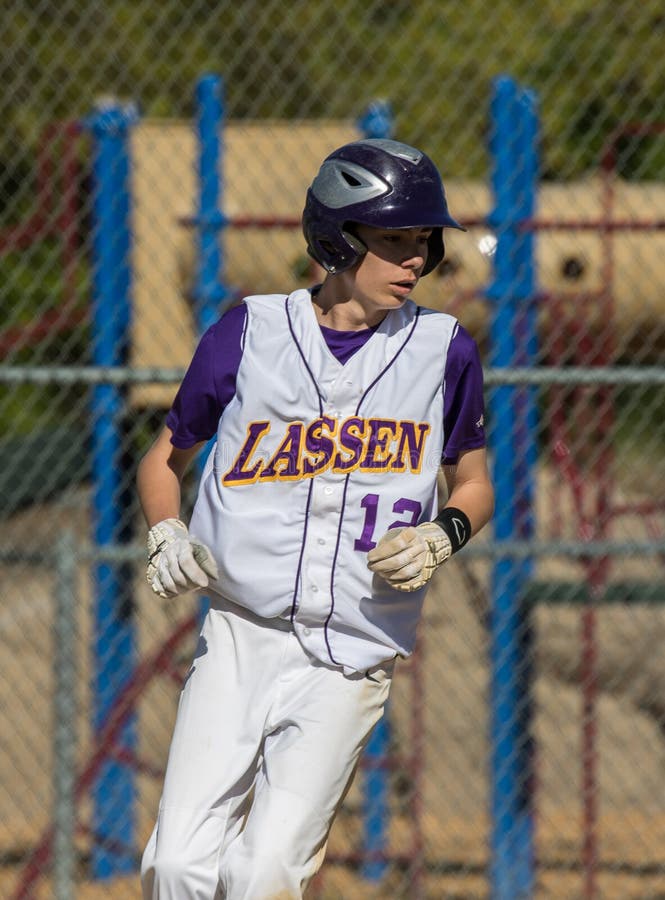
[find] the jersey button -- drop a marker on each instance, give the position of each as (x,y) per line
(314,589)
(327,490)
(307,631)
(321,541)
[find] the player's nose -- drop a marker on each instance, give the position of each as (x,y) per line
(414,260)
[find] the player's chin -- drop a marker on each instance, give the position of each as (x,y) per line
(394,297)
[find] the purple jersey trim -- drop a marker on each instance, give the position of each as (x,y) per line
(210,384)
(302,356)
(296,587)
(294,602)
(416,319)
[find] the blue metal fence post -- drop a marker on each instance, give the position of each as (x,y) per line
(376,122)
(114,643)
(513,436)
(210,292)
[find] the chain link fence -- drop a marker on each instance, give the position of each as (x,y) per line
(524,753)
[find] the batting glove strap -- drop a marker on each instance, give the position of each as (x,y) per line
(408,557)
(164,533)
(176,562)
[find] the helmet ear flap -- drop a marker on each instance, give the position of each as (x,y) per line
(339,254)
(352,239)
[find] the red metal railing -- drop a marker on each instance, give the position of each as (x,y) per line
(594,511)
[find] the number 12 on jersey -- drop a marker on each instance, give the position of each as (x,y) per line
(370,503)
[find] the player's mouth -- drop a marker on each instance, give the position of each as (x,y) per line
(404,287)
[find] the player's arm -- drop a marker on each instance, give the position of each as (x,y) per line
(177,562)
(408,557)
(470,489)
(159,478)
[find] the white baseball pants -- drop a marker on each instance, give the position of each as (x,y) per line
(265,744)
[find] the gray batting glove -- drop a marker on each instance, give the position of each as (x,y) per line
(408,557)
(176,561)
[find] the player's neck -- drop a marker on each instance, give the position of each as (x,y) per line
(335,309)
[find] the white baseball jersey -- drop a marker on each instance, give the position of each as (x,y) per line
(313,462)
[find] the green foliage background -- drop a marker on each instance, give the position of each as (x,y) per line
(593,63)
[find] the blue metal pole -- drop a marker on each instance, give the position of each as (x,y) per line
(376,812)
(526,350)
(114,642)
(513,341)
(376,122)
(210,292)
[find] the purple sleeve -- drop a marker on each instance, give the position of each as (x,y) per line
(210,381)
(463,403)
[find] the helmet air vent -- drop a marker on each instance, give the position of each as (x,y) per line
(350,180)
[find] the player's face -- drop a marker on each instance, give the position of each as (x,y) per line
(392,266)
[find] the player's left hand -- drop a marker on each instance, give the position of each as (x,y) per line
(407,557)
(176,561)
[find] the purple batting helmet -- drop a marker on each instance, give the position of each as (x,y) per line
(382,183)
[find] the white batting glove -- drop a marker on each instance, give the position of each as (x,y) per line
(407,557)
(177,562)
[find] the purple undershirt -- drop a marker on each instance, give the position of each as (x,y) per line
(210,383)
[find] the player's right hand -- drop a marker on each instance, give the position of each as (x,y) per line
(408,557)
(176,562)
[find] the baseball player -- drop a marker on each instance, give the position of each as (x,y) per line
(316,529)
